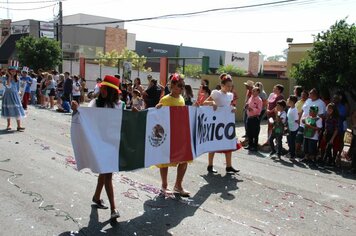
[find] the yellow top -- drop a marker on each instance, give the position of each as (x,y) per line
(170,101)
(299,106)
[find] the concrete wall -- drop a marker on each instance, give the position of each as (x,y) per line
(241,91)
(296,52)
(83,36)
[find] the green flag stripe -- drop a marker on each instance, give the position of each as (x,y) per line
(132,143)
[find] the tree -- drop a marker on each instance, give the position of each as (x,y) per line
(277,58)
(332,61)
(231,69)
(38,52)
(190,70)
(113,58)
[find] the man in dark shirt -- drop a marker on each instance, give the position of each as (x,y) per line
(152,94)
(67,87)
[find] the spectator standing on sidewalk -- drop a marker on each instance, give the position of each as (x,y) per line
(253,108)
(76,89)
(33,89)
(293,125)
(68,87)
(273,98)
(277,130)
(27,80)
(263,96)
(249,85)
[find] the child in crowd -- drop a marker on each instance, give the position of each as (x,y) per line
(222,98)
(277,129)
(204,94)
(312,124)
(253,108)
(137,101)
(293,125)
(330,133)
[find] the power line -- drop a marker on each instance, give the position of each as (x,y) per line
(27,9)
(229,31)
(32,2)
(189,13)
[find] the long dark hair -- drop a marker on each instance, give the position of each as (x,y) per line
(188,91)
(111,99)
(16,79)
(335,114)
(206,89)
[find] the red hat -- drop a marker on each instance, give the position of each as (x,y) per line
(175,77)
(112,82)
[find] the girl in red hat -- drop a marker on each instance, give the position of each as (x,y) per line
(108,98)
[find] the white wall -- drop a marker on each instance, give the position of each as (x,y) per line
(131,41)
(241,60)
(85,18)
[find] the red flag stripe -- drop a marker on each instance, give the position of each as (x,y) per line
(181,143)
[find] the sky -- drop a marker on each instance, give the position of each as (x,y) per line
(263,28)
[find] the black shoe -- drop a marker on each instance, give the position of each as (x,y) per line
(247,147)
(20,129)
(272,153)
(253,149)
(211,169)
(100,204)
(231,170)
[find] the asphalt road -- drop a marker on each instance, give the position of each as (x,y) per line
(41,193)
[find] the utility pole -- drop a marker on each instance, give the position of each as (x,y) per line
(8,10)
(60,34)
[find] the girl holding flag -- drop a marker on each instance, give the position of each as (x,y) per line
(108,98)
(222,98)
(174,98)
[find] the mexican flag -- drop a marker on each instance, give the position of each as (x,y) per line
(156,136)
(109,140)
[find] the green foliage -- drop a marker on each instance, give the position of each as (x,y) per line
(231,69)
(277,58)
(112,58)
(332,61)
(38,53)
(190,70)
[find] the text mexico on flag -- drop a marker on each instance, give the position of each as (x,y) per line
(108,140)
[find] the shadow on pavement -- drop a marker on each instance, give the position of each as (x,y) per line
(162,214)
(5,132)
